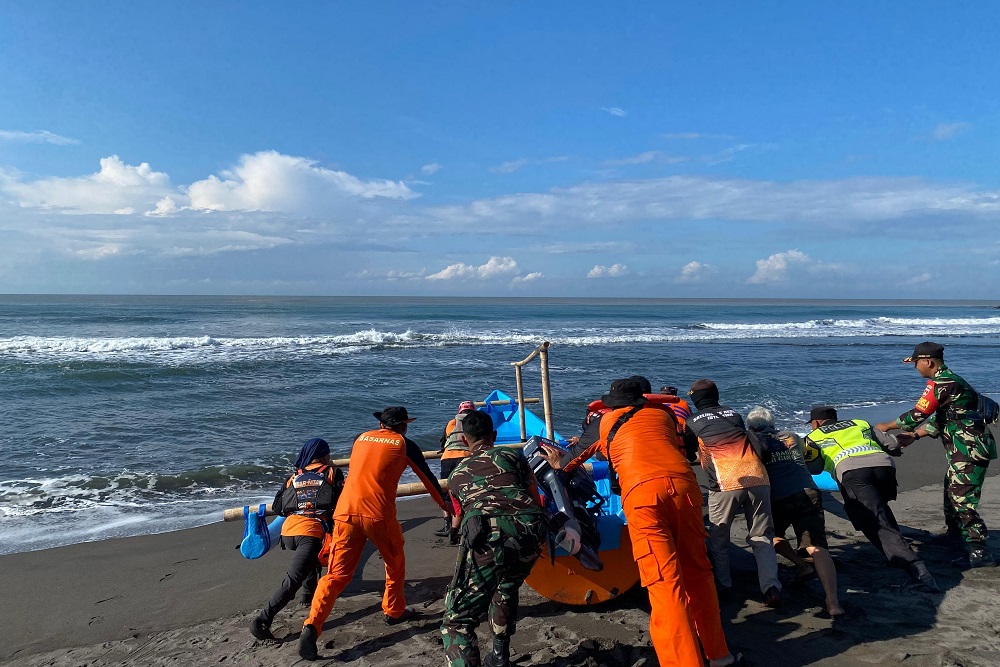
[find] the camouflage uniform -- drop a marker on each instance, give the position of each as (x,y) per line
(950,407)
(494,488)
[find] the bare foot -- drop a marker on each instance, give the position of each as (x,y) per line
(835,609)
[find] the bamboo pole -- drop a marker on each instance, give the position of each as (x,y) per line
(402,491)
(508,401)
(520,402)
(546,395)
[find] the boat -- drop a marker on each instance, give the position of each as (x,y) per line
(564,578)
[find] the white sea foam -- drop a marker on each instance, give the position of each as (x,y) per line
(208,349)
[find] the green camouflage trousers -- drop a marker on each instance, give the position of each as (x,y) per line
(963,486)
(489,577)
(969,448)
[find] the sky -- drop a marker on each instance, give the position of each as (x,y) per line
(641,149)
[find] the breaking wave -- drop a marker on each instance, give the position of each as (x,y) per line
(207,349)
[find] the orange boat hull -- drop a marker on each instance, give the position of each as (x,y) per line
(569,582)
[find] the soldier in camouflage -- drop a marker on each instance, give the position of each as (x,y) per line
(503,528)
(949,409)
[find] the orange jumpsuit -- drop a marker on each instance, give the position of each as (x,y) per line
(366,511)
(663,506)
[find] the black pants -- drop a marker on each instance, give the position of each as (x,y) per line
(867,492)
(303,571)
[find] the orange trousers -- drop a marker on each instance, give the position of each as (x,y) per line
(350,534)
(668,543)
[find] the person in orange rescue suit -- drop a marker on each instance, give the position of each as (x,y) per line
(737,483)
(454,448)
(367,511)
(597,409)
(662,503)
(305,531)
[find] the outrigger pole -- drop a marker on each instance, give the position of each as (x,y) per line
(542,352)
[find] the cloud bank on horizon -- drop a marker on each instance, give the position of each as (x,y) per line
(559,197)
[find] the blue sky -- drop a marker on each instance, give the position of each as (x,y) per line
(539,149)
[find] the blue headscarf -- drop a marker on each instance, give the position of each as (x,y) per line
(314,449)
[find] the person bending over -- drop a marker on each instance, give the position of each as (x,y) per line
(503,529)
(367,511)
(737,484)
(795,502)
(857,455)
(662,504)
(307,499)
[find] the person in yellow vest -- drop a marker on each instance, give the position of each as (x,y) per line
(454,448)
(859,458)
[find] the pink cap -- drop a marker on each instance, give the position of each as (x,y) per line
(466,405)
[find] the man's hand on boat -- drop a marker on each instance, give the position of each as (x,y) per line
(553,456)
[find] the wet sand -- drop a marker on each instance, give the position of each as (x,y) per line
(186,598)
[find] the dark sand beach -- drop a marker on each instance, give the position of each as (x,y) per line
(186,598)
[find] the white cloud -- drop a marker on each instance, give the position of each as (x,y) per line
(774,269)
(511,166)
(615,111)
(726,154)
(495,266)
(613,271)
(917,280)
(945,131)
(430,169)
(392,275)
(573,247)
(38,137)
(516,165)
(690,136)
(687,198)
(116,188)
(645,158)
(694,272)
(527,278)
(270,181)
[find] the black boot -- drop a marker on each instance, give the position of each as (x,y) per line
(445,529)
(500,655)
(454,537)
(980,556)
(260,628)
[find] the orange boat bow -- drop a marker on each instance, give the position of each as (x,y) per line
(569,582)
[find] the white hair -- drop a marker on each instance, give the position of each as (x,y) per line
(760,419)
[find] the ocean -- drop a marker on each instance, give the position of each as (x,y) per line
(134,415)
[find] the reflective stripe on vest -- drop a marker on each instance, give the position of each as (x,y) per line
(456,439)
(845,439)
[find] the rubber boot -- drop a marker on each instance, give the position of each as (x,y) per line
(918,570)
(445,529)
(980,556)
(500,655)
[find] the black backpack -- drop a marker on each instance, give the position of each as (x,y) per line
(989,409)
(310,492)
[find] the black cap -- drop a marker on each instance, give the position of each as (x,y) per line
(393,416)
(668,390)
(623,393)
(703,385)
(822,413)
(644,384)
(925,350)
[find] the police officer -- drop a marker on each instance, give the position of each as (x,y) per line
(857,456)
(503,528)
(949,409)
